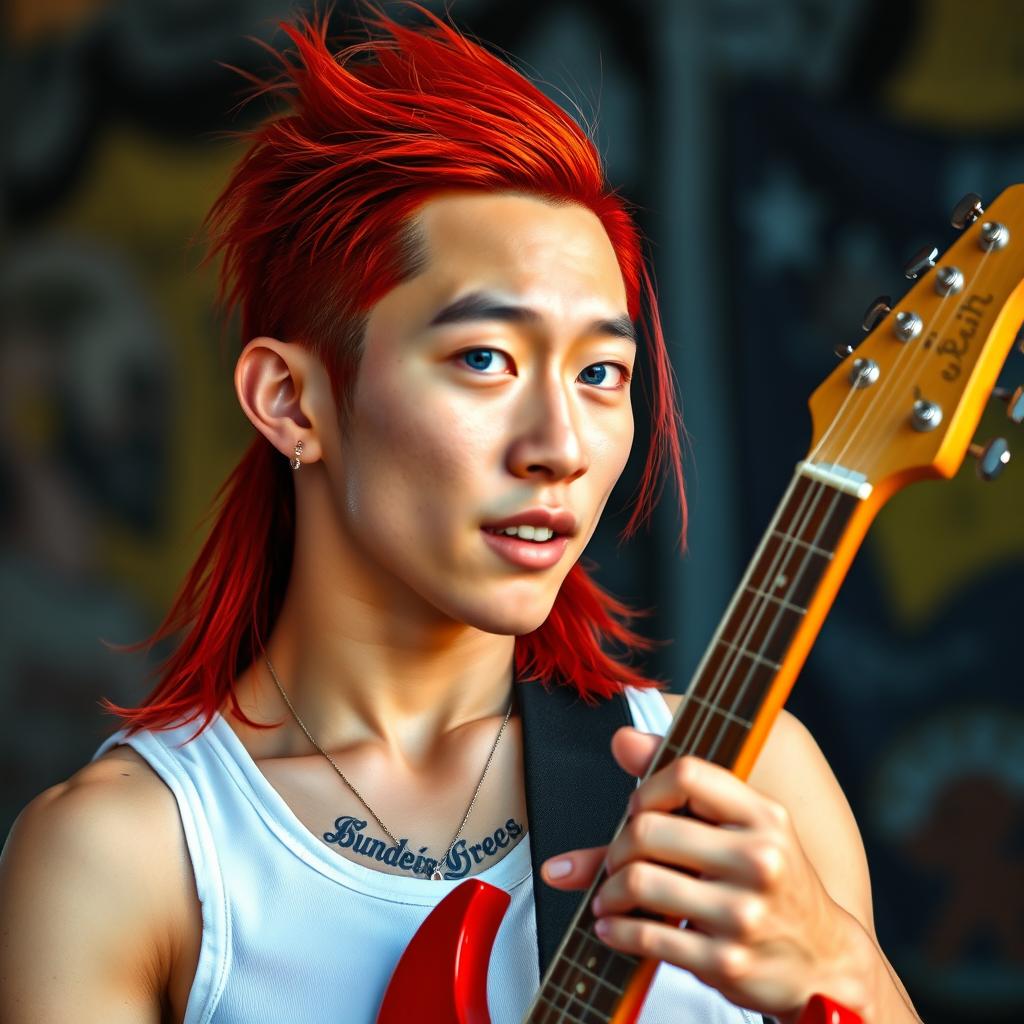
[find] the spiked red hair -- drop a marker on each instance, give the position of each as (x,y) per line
(312,227)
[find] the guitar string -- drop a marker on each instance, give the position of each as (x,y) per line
(575,961)
(584,936)
(709,712)
(880,395)
(886,397)
(876,397)
(726,665)
(893,380)
(881,426)
(586,1004)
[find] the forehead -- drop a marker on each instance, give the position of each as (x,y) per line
(557,257)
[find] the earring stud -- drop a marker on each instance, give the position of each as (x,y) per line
(296,463)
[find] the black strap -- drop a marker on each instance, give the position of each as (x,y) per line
(575,792)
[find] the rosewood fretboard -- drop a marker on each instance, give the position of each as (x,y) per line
(587,982)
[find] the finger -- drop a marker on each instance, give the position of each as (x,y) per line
(712,906)
(575,869)
(716,962)
(705,789)
(634,750)
(681,843)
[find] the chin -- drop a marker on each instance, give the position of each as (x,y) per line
(512,616)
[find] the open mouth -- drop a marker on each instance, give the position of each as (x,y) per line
(539,551)
(533,534)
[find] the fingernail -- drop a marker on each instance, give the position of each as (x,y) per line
(602,927)
(558,868)
(596,906)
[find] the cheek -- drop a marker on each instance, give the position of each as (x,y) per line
(419,457)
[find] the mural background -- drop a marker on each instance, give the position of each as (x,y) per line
(787,156)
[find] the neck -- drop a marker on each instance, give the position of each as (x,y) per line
(365,666)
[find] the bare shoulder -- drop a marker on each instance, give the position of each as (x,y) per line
(792,770)
(91,873)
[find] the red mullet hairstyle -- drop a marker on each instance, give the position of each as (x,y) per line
(313,227)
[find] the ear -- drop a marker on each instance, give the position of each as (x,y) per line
(285,391)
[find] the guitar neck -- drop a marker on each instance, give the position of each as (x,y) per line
(774,617)
(739,687)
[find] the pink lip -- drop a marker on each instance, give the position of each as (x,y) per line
(561,520)
(528,554)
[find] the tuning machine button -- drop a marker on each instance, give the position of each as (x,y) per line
(907,325)
(922,261)
(879,309)
(842,351)
(967,211)
(993,236)
(925,415)
(864,373)
(1014,400)
(992,457)
(949,280)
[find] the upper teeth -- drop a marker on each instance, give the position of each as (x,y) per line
(529,532)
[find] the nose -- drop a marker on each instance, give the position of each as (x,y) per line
(548,444)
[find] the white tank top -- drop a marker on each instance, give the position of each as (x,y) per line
(294,933)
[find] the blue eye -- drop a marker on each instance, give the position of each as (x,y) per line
(595,375)
(485,359)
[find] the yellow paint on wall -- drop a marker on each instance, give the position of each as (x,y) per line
(935,538)
(962,69)
(144,199)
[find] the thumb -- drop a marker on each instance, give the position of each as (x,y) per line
(634,750)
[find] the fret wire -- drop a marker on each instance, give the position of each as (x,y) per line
(687,742)
(825,521)
(778,600)
(808,497)
(581,935)
(695,750)
(611,986)
(809,504)
(811,495)
(721,711)
(605,955)
(541,1004)
(749,654)
(553,1007)
(564,961)
(824,552)
(586,1004)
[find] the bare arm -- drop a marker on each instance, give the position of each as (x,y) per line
(83,934)
(793,771)
(774,880)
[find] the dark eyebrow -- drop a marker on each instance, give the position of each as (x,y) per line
(484,306)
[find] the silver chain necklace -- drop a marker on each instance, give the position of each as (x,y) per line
(437,875)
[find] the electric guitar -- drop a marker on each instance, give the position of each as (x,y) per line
(902,407)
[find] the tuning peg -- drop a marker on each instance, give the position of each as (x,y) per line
(992,457)
(922,260)
(1014,402)
(879,309)
(967,211)
(842,350)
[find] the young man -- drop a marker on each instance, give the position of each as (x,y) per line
(438,295)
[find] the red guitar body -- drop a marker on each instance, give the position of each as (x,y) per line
(442,976)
